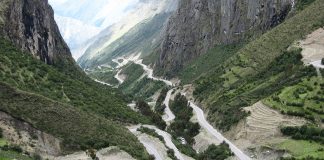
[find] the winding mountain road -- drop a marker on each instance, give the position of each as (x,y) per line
(149,73)
(168,141)
(167,138)
(169,116)
(119,78)
(204,123)
(149,147)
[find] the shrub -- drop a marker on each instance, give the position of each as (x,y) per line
(182,127)
(170,153)
(213,152)
(145,109)
(305,133)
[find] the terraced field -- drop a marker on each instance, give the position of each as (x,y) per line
(262,128)
(265,121)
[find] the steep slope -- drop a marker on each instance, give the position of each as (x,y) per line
(143,38)
(261,68)
(137,21)
(58,98)
(77,129)
(199,25)
(30,25)
(85,19)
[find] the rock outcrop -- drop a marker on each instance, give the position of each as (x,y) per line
(28,138)
(199,25)
(30,25)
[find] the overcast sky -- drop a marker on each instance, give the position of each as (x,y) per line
(101,13)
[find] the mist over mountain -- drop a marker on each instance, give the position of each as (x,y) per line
(79,21)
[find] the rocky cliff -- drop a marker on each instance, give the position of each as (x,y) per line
(199,25)
(30,25)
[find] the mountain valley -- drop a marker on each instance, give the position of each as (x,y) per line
(163,80)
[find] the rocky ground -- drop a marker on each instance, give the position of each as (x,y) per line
(313,46)
(28,138)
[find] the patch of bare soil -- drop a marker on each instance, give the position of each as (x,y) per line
(260,129)
(313,46)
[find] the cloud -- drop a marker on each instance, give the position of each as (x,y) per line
(100,13)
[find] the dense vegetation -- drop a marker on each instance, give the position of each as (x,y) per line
(205,63)
(305,133)
(258,69)
(104,74)
(159,106)
(302,4)
(146,110)
(22,71)
(213,152)
(284,71)
(184,148)
(77,110)
(182,126)
(137,86)
(304,99)
(77,129)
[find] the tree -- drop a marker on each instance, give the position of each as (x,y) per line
(322,61)
(214,152)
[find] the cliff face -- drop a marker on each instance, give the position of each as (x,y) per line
(30,25)
(199,25)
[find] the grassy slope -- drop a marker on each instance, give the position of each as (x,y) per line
(78,129)
(302,148)
(10,155)
(205,63)
(24,72)
(104,74)
(257,70)
(306,97)
(70,108)
(145,88)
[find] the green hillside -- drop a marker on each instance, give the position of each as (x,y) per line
(79,130)
(83,113)
(22,71)
(259,69)
(136,87)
